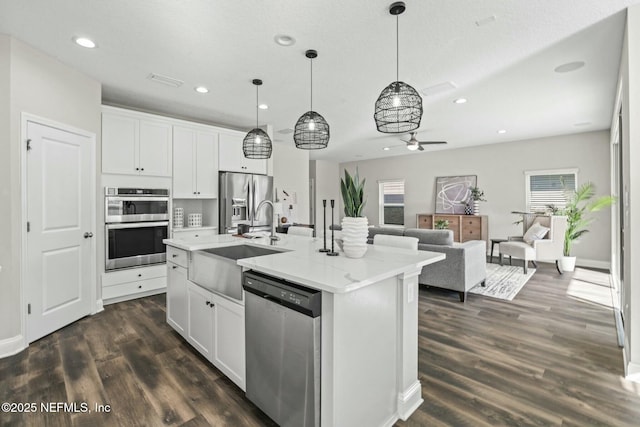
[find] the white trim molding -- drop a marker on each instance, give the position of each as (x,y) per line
(11,346)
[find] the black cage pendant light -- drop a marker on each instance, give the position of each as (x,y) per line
(312,130)
(257,144)
(399,106)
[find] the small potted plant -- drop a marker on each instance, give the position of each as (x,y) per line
(579,205)
(476,195)
(441,224)
(355,228)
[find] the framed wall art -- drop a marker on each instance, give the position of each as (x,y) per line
(452,192)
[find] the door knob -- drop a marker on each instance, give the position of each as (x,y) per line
(88,235)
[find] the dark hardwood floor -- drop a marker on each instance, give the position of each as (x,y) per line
(549,358)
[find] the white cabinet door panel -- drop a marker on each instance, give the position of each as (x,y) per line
(155,148)
(200,319)
(177,298)
(184,174)
(206,163)
(119,139)
(228,335)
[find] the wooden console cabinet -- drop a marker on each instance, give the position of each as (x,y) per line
(464,227)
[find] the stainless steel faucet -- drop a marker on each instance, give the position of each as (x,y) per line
(273,238)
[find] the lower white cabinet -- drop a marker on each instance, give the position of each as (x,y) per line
(130,283)
(177,298)
(214,325)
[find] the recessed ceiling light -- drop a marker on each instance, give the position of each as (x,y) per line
(386,148)
(568,67)
(201,89)
(501,131)
(84,42)
(263,106)
(460,101)
(284,40)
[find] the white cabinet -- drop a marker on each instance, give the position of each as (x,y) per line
(215,327)
(132,283)
(135,146)
(231,157)
(228,336)
(200,319)
(177,290)
(195,163)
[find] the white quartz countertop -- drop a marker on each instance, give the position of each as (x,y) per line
(300,261)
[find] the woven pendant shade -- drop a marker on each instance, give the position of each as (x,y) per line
(398,109)
(257,144)
(399,106)
(311,130)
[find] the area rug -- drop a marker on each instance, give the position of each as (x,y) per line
(503,282)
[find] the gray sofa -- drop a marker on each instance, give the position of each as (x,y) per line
(464,267)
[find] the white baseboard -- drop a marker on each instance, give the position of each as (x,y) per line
(633,372)
(11,346)
(99,306)
(593,263)
(409,400)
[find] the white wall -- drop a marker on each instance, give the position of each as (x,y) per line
(326,175)
(500,171)
(631,200)
(8,274)
(42,86)
(291,173)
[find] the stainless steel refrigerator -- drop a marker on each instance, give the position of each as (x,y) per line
(239,196)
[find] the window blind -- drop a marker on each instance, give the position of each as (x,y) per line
(544,190)
(391,202)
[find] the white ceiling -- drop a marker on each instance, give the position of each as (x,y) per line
(504,67)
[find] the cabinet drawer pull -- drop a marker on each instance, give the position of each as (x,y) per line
(140,275)
(139,286)
(174,267)
(175,255)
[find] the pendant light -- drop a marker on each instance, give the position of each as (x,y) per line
(312,130)
(257,144)
(399,106)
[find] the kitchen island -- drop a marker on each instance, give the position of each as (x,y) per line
(369,322)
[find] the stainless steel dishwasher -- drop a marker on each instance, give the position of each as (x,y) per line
(282,322)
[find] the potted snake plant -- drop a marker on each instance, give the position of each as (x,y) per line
(355,230)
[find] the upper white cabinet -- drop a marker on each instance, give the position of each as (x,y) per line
(134,145)
(232,158)
(195,163)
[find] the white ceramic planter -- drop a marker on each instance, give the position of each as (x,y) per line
(354,236)
(568,263)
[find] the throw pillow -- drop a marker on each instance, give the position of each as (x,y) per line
(535,232)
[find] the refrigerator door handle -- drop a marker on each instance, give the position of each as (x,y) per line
(253,198)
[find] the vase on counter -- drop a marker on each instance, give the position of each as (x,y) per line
(355,231)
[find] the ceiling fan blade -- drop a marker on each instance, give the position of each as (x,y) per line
(431,142)
(406,142)
(420,148)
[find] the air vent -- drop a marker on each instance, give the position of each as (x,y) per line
(439,88)
(165,80)
(285,131)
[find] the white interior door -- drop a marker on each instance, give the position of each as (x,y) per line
(59,245)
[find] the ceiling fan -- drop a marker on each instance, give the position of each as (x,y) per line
(413,144)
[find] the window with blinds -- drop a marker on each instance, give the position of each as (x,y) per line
(391,199)
(546,189)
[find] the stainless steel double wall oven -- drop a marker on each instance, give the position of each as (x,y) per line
(137,220)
